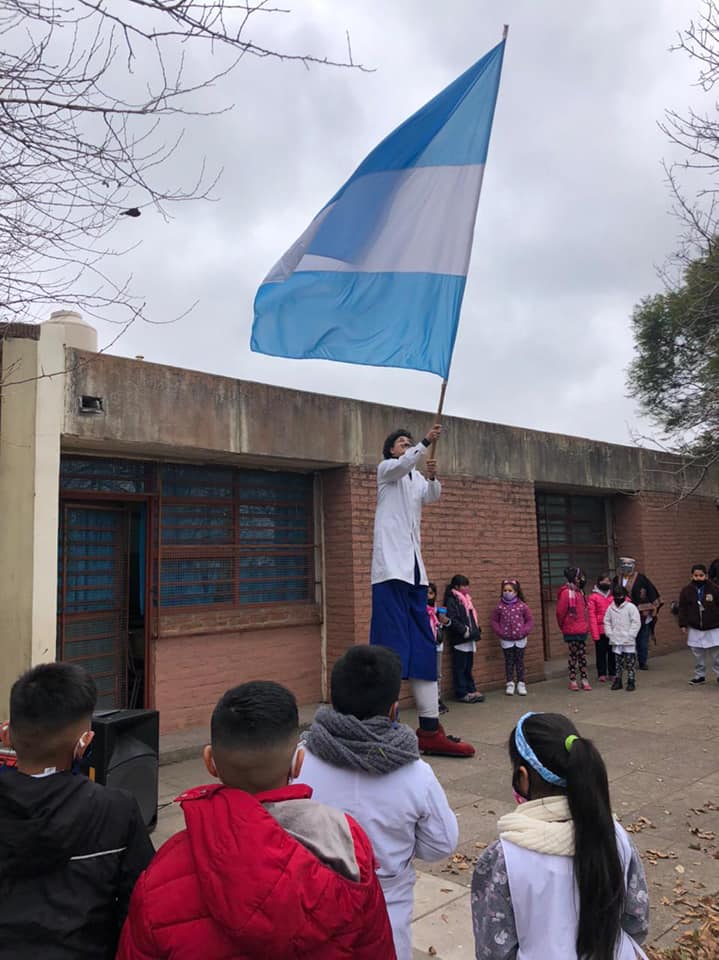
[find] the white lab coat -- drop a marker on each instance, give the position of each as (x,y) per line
(401,492)
(546,903)
(405,814)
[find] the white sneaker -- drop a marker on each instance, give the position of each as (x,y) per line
(509,689)
(521,689)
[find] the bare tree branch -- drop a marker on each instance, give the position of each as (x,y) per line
(95,97)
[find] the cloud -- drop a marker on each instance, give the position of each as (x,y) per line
(573,218)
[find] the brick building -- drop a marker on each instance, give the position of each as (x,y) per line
(179,532)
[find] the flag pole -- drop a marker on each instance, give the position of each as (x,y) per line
(438,418)
(443,388)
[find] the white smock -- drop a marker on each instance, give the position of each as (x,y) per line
(401,493)
(546,903)
(404,813)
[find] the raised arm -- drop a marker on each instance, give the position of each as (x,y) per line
(395,468)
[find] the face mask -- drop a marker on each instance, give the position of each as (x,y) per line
(619,601)
(509,594)
(582,581)
(604,587)
(698,579)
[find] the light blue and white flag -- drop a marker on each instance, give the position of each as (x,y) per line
(378,276)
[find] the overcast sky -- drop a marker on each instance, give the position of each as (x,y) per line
(573,218)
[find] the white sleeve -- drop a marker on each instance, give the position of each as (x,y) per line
(608,623)
(432,491)
(397,467)
(436,833)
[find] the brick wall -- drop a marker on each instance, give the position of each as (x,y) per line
(665,538)
(485,529)
(482,528)
(200,655)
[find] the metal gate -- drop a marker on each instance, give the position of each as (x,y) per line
(93,596)
(572,530)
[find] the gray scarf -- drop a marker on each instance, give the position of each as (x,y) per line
(376,745)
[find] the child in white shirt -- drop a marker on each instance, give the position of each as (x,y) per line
(360,760)
(622,623)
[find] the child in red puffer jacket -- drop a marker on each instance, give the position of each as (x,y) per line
(512,621)
(597,603)
(261,870)
(572,620)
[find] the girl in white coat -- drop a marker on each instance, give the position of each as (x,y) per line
(564,880)
(622,623)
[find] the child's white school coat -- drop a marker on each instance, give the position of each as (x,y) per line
(404,813)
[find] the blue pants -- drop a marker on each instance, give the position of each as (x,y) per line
(462,663)
(400,622)
(645,632)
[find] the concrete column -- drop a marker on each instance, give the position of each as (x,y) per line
(32,413)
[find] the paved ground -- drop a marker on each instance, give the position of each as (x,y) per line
(661,746)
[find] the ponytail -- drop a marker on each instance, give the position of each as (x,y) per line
(597,864)
(565,763)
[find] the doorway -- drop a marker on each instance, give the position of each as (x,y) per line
(102,597)
(572,530)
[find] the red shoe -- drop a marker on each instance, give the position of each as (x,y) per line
(436,743)
(573,685)
(586,685)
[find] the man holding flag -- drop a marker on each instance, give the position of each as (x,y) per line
(399,581)
(378,278)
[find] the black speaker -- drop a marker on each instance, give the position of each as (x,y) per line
(125,753)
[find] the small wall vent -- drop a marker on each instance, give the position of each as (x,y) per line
(91,405)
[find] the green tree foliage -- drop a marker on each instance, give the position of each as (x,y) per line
(675,373)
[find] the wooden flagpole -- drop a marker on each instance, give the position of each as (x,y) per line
(443,388)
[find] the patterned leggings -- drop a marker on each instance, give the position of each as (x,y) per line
(626,661)
(514,661)
(577,659)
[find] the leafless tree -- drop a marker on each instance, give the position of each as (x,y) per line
(95,98)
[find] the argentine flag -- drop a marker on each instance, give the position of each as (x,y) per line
(378,276)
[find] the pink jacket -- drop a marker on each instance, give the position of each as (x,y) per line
(512,621)
(572,611)
(597,606)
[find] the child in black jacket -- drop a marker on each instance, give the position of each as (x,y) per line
(463,632)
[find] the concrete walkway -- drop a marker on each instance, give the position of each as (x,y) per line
(661,746)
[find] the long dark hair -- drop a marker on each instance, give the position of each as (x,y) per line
(457,581)
(598,868)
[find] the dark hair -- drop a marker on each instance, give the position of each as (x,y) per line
(598,868)
(619,591)
(49,698)
(699,566)
(392,439)
(457,581)
(515,583)
(365,681)
(714,569)
(573,574)
(604,576)
(432,586)
(257,714)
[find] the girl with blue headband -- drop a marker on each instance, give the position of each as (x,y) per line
(564,880)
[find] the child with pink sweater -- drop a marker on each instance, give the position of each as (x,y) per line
(511,621)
